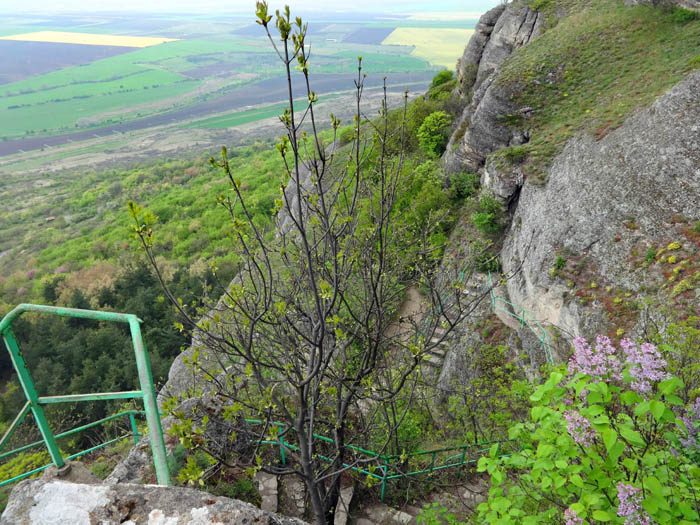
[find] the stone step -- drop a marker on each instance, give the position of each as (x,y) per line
(343,510)
(433,361)
(380,514)
(438,351)
(267,487)
(437,341)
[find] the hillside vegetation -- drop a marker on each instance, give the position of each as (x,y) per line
(608,432)
(599,63)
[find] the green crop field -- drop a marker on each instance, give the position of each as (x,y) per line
(238,118)
(64,115)
(89,93)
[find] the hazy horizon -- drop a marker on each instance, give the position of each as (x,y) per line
(240,7)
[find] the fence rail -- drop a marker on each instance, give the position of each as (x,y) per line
(35,404)
(498,304)
(134,433)
(386,468)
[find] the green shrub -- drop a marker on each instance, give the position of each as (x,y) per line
(683,16)
(541,5)
(464,185)
(436,514)
(650,256)
(441,78)
(243,489)
(345,135)
(433,133)
(515,154)
(487,217)
(604,443)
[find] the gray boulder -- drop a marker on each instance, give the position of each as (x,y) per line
(57,502)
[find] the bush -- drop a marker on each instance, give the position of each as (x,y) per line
(243,489)
(442,77)
(487,217)
(433,133)
(515,154)
(682,16)
(604,444)
(345,135)
(464,185)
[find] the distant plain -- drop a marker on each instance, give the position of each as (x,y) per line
(95,90)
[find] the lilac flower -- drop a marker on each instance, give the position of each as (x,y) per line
(600,362)
(579,428)
(691,420)
(31,274)
(571,518)
(647,365)
(630,506)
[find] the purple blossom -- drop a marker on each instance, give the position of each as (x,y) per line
(579,428)
(630,506)
(691,421)
(647,365)
(599,362)
(571,518)
(31,274)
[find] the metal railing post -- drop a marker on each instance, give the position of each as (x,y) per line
(280,436)
(384,472)
(134,428)
(461,462)
(32,397)
(149,403)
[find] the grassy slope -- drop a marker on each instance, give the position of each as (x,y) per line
(594,68)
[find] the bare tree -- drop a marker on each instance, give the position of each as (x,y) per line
(309,332)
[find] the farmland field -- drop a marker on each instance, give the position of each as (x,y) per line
(91,39)
(24,59)
(438,46)
(192,68)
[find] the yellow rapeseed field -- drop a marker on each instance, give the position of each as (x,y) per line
(438,46)
(60,37)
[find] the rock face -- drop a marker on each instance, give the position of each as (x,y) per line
(602,199)
(482,128)
(55,502)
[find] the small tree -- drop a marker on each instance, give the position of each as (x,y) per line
(441,78)
(309,334)
(434,133)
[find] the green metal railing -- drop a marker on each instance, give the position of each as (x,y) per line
(384,469)
(501,305)
(134,433)
(35,403)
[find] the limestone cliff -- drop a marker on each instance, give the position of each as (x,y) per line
(609,228)
(481,128)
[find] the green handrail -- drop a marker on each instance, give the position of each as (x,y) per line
(35,403)
(385,472)
(525,320)
(134,432)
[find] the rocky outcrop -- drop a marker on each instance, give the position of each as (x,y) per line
(57,502)
(483,126)
(605,200)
